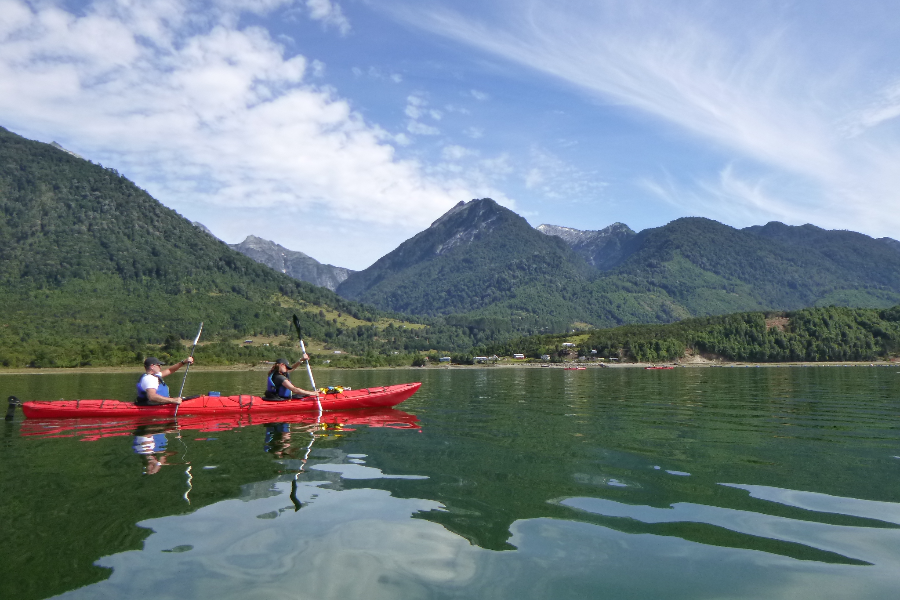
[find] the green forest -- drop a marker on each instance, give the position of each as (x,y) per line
(811,334)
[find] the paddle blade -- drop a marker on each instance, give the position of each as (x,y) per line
(197,339)
(297,327)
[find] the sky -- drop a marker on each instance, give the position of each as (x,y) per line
(340,128)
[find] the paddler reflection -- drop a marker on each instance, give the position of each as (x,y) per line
(150,444)
(278,443)
(278,440)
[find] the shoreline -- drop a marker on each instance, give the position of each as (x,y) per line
(535,365)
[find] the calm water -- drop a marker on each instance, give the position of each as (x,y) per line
(492,483)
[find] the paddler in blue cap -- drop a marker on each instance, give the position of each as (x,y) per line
(279,386)
(151,389)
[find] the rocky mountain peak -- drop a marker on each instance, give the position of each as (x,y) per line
(464,222)
(602,248)
(292,262)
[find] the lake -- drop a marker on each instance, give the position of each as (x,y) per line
(488,483)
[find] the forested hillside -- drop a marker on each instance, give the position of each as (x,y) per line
(484,264)
(93,270)
(473,257)
(812,334)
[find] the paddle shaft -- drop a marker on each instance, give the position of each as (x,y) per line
(308,368)
(311,380)
(188,367)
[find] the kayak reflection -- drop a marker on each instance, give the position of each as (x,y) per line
(88,430)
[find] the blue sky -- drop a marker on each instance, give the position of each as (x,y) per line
(341,128)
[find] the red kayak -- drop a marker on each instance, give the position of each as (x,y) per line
(89,430)
(380,397)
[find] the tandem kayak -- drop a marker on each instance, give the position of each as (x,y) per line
(378,397)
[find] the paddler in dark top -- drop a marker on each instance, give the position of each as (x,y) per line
(151,389)
(279,386)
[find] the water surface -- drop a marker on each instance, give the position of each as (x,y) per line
(500,483)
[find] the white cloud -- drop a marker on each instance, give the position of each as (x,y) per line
(533,178)
(417,108)
(481,96)
(476,133)
(329,13)
(417,128)
(554,179)
(454,152)
(207,116)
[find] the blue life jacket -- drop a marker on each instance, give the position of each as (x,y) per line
(162,390)
(281,391)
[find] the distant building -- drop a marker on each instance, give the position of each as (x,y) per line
(444,359)
(518,356)
(481,359)
(568,345)
(337,351)
(248,341)
(545,357)
(593,352)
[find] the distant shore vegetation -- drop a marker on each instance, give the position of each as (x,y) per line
(828,334)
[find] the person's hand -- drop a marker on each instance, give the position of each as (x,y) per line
(189,360)
(305,356)
(177,401)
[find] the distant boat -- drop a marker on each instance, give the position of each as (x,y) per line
(575,369)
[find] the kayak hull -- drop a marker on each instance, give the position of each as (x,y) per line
(381,397)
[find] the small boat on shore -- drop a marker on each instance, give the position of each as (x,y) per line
(659,368)
(378,397)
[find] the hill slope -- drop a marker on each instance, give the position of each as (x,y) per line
(292,263)
(475,256)
(93,270)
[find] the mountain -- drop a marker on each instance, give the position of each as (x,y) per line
(93,270)
(892,243)
(292,263)
(603,249)
(485,262)
(473,257)
(202,227)
(707,268)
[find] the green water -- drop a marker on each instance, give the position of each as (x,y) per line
(514,483)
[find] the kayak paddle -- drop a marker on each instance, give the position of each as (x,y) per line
(308,369)
(188,367)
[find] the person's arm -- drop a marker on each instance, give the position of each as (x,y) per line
(300,362)
(155,398)
(169,370)
(287,383)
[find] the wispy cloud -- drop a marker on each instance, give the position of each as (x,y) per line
(801,94)
(329,13)
(417,109)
